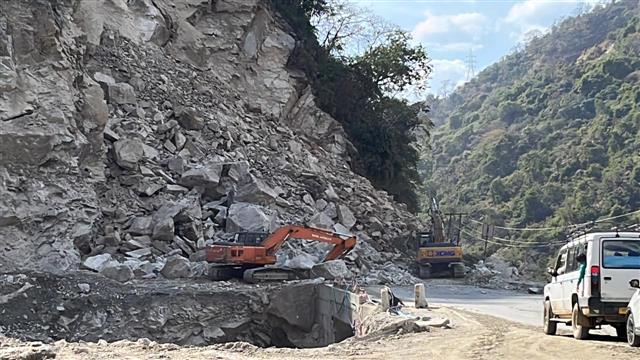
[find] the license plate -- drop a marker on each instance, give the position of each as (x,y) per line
(622,311)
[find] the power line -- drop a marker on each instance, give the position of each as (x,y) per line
(523,242)
(561,227)
(520,246)
(522,229)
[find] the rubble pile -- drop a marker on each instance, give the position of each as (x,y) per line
(134,135)
(499,274)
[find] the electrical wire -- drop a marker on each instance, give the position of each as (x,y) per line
(561,227)
(518,241)
(519,246)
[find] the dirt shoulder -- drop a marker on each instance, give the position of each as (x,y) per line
(473,336)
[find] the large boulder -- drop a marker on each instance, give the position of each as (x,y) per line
(346,216)
(118,272)
(256,191)
(206,177)
(128,153)
(331,270)
(121,93)
(164,229)
(189,119)
(322,221)
(97,262)
(249,217)
(142,225)
(176,267)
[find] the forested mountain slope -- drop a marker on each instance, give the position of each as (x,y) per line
(549,134)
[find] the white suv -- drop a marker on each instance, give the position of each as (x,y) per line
(613,259)
(633,315)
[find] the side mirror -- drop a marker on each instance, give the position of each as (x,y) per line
(551,271)
(635,283)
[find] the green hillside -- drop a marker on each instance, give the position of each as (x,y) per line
(550,134)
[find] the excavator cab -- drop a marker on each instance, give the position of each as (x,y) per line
(250,238)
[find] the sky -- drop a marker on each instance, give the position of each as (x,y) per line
(451,30)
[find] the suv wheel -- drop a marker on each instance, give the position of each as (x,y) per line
(550,326)
(580,332)
(632,338)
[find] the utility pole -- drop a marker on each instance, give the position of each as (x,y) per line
(453,231)
(471,65)
(487,234)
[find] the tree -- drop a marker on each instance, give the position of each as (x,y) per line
(395,64)
(346,30)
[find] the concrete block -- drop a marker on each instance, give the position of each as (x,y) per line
(420,296)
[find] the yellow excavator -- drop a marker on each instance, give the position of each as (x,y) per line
(438,255)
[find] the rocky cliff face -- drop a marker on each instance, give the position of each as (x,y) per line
(143,130)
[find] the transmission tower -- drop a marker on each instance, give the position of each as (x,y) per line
(471,65)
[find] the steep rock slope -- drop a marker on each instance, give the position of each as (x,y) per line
(549,134)
(147,129)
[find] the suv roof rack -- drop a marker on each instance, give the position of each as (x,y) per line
(603,226)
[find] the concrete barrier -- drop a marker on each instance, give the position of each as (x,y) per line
(420,300)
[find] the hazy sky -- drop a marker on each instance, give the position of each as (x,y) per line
(450,29)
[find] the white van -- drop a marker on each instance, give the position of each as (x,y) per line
(613,259)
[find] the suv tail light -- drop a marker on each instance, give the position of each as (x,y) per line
(595,280)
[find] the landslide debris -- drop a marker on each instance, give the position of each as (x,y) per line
(135,134)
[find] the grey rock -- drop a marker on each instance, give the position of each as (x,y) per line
(321,220)
(321,204)
(128,153)
(176,267)
(331,210)
(122,93)
(118,272)
(238,171)
(166,126)
(189,119)
(139,253)
(97,262)
(256,191)
(176,164)
(150,152)
(331,193)
(104,79)
(346,216)
(249,217)
(184,245)
(142,225)
(207,176)
(340,229)
(164,229)
(221,217)
(308,199)
(179,140)
(84,287)
(176,189)
(331,270)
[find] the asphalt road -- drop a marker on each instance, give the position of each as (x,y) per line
(510,305)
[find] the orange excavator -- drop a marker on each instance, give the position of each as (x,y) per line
(251,255)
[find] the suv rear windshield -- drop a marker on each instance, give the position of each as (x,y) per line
(621,254)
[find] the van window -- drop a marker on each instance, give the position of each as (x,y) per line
(621,254)
(571,259)
(561,262)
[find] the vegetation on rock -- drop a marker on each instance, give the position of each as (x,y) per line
(354,88)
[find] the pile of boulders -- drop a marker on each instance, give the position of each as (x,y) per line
(200,139)
(495,272)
